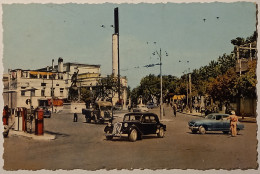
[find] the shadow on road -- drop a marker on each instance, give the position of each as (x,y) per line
(57,134)
(123,139)
(211,133)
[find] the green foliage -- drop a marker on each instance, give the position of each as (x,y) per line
(246,83)
(218,79)
(86,95)
(107,87)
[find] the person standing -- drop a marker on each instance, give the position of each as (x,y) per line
(233,123)
(174,106)
(75,116)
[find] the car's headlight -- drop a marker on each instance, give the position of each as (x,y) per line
(125,124)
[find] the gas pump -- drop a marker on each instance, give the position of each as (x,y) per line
(39,122)
(21,119)
(5,115)
(24,119)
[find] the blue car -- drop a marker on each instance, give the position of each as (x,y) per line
(213,122)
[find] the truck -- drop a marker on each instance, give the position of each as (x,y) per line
(102,112)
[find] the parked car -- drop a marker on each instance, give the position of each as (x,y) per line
(134,126)
(151,105)
(140,108)
(213,122)
(47,113)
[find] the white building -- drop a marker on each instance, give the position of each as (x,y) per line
(21,85)
(36,85)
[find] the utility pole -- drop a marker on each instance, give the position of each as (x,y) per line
(161,99)
(239,60)
(52,86)
(190,93)
(187,94)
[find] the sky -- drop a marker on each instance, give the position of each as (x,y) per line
(34,34)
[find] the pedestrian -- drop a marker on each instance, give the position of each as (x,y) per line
(233,123)
(75,116)
(174,106)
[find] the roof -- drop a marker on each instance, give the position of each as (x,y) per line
(79,64)
(218,114)
(141,113)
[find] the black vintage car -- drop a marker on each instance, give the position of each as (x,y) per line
(135,125)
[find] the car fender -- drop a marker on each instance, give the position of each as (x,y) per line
(204,125)
(108,129)
(135,127)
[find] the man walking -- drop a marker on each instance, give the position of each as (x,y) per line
(174,106)
(75,116)
(233,123)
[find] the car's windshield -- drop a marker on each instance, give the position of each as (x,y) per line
(105,108)
(132,117)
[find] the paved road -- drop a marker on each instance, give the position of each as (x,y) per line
(83,146)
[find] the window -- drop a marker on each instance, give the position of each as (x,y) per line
(42,92)
(33,76)
(52,91)
(33,93)
(61,91)
(218,117)
(146,119)
(152,118)
(22,92)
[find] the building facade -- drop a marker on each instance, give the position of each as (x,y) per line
(46,85)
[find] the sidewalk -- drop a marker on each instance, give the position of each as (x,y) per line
(45,136)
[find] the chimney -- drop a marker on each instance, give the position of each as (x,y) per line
(52,64)
(60,67)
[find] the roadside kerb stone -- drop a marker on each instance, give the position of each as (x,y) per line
(45,136)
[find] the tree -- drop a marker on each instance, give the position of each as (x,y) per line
(223,88)
(106,88)
(86,96)
(246,83)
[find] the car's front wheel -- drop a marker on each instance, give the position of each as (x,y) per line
(202,130)
(160,134)
(109,137)
(133,135)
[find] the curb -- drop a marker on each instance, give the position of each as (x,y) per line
(33,136)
